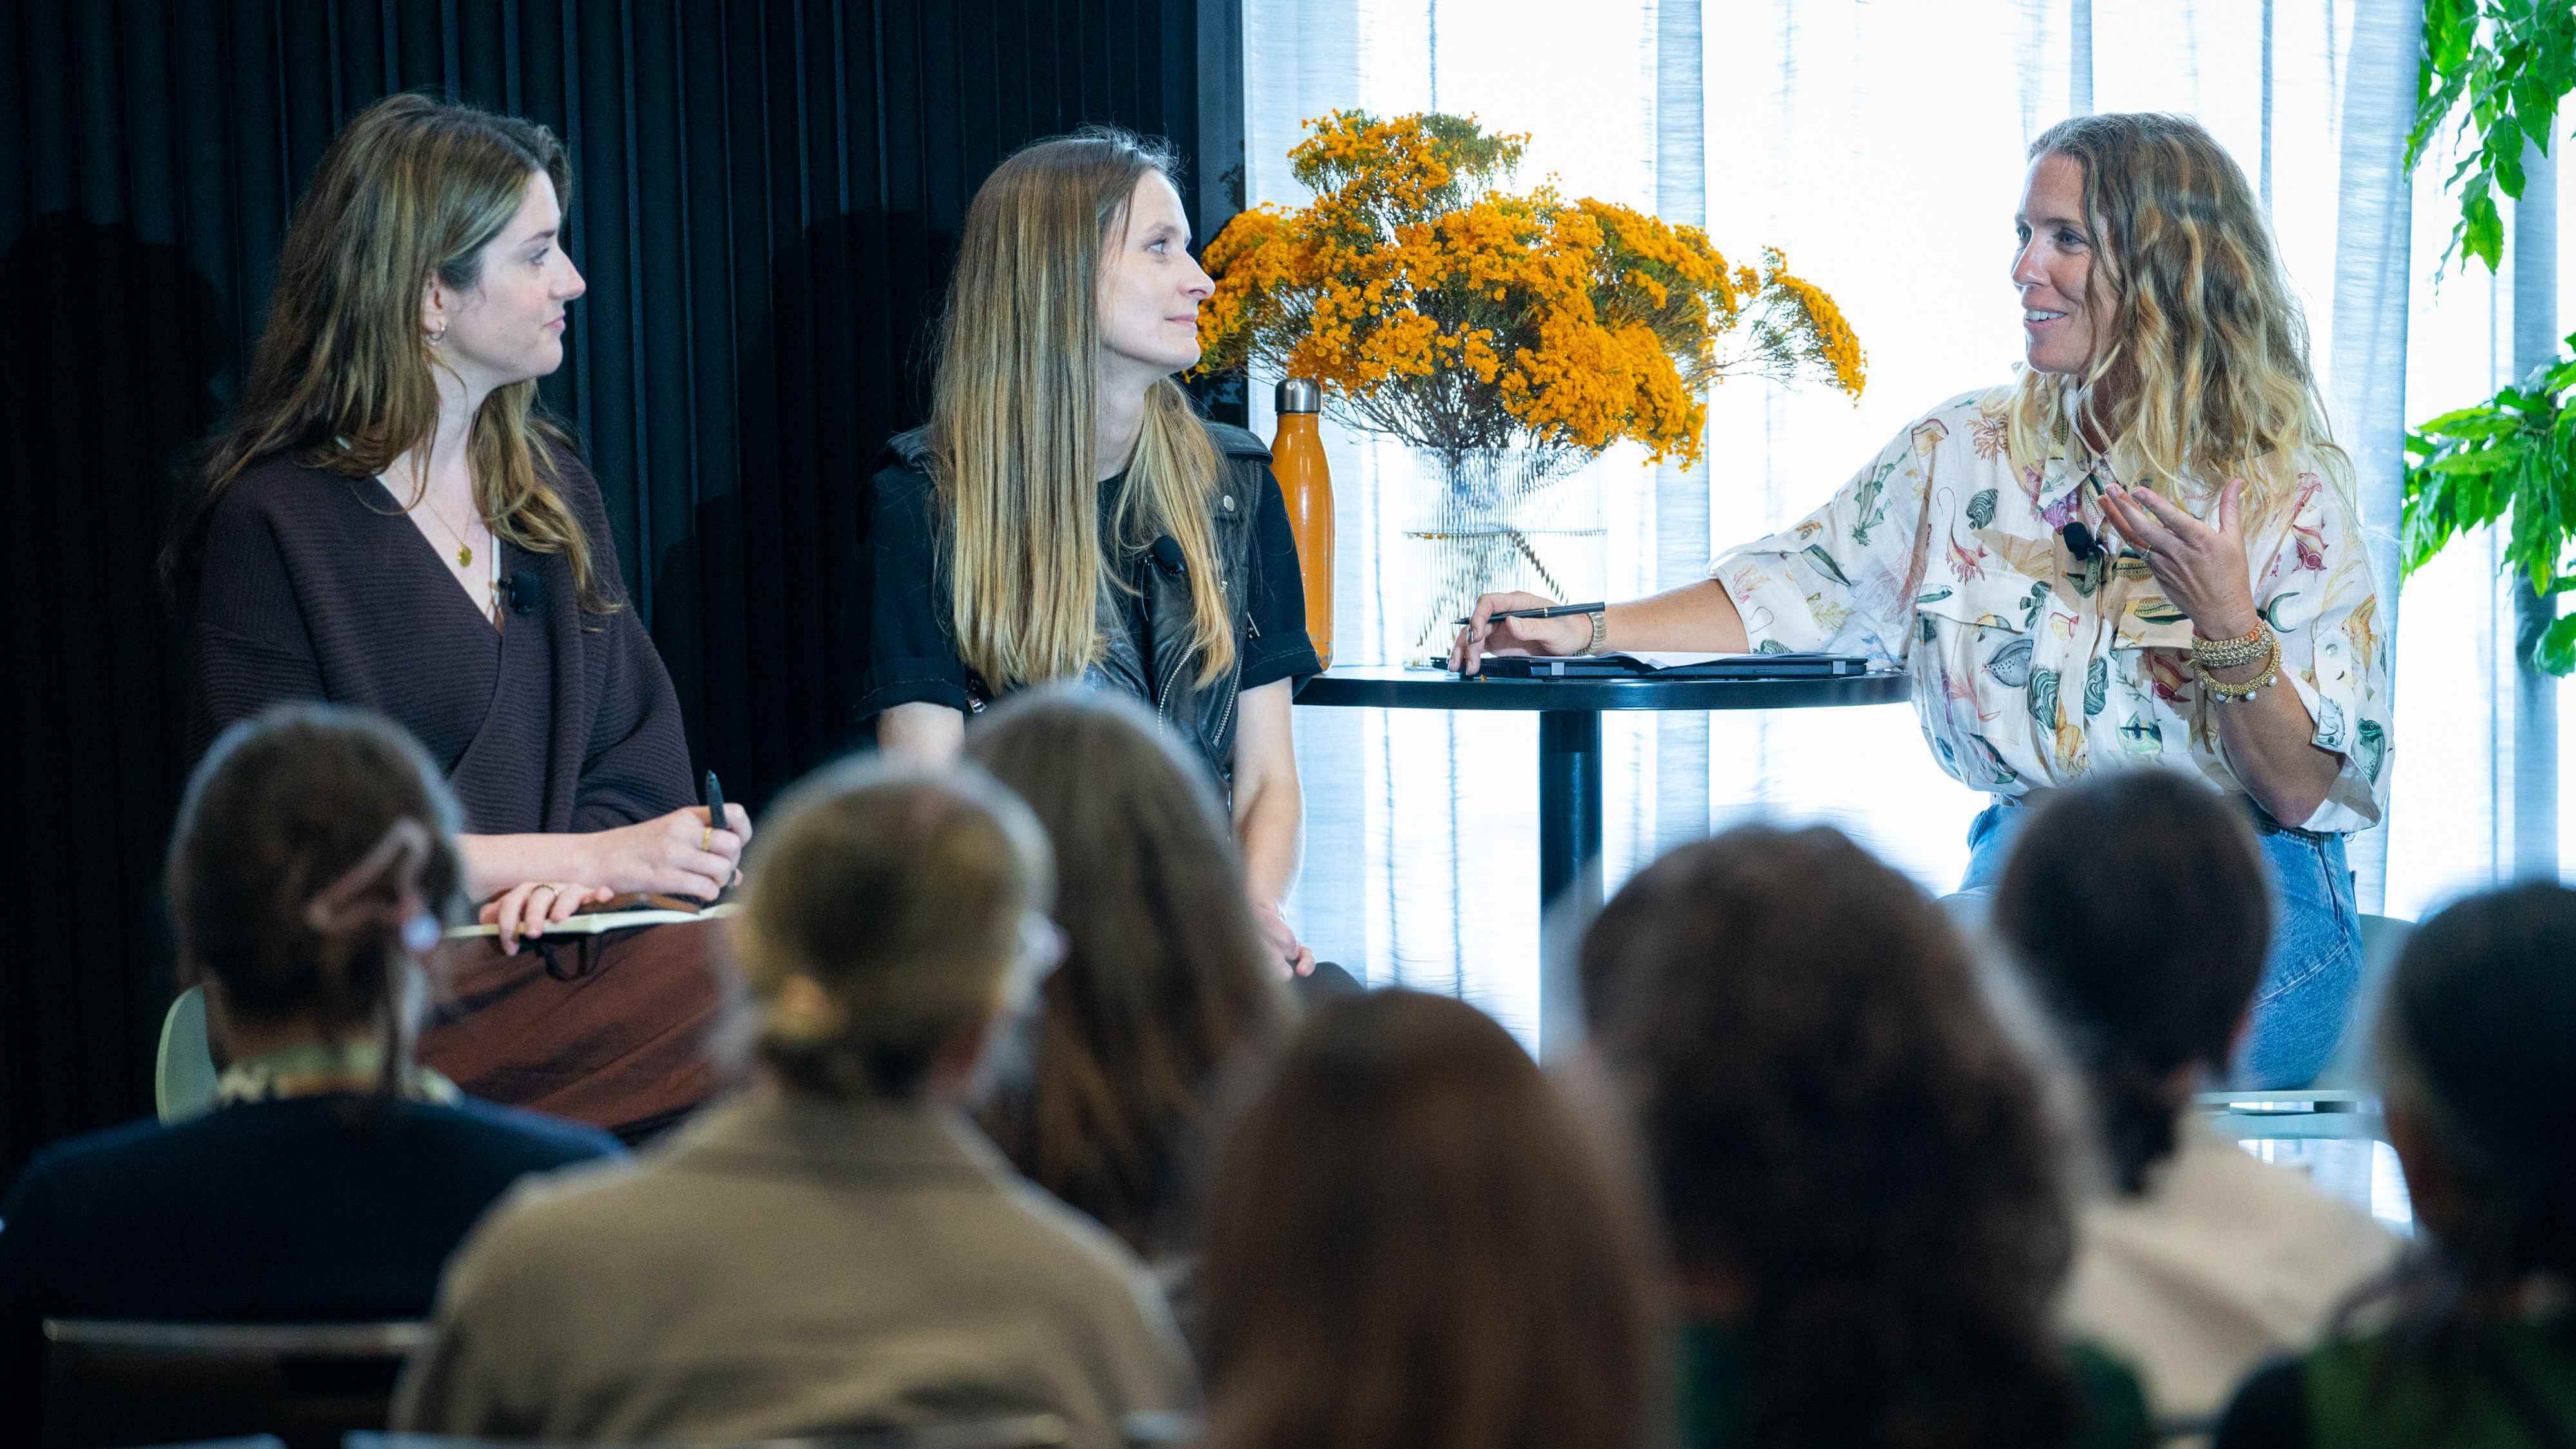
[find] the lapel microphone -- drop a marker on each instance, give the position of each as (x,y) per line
(1168,557)
(2080,541)
(524,590)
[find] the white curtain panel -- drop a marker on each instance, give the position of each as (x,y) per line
(1882,147)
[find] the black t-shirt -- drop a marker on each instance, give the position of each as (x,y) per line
(913,659)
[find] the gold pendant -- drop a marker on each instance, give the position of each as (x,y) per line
(465,555)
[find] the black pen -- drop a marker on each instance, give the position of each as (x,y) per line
(1552,611)
(715,804)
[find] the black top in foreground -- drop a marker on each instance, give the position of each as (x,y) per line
(1390,686)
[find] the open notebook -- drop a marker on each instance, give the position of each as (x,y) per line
(1675,666)
(619,913)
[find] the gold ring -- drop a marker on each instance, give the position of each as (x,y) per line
(707,838)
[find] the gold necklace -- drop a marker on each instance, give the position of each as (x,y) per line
(464,550)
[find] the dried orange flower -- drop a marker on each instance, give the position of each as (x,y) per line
(1455,315)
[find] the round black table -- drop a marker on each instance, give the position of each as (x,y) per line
(1569,765)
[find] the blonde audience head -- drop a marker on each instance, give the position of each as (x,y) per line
(892,916)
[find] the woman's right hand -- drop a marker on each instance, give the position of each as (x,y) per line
(675,854)
(1484,634)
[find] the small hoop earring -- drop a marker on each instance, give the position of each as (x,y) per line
(437,337)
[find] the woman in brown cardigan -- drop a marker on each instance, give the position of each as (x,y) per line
(386,523)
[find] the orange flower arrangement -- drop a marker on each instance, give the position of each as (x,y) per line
(1459,317)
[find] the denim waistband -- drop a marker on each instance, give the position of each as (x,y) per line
(2255,815)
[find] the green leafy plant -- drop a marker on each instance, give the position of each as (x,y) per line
(2508,63)
(2514,453)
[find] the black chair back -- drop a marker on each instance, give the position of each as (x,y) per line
(117,1383)
(1016,1431)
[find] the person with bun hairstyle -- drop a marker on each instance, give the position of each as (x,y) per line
(1860,1171)
(1066,513)
(1165,983)
(2198,1262)
(313,863)
(1416,1238)
(388,521)
(837,1248)
(2145,549)
(2471,1342)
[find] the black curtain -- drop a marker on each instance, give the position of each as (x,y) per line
(765,200)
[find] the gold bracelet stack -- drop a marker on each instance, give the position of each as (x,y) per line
(2258,644)
(2245,648)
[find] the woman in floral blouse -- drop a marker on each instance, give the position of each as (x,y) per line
(2145,550)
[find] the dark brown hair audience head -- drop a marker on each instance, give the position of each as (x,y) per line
(2138,906)
(311,867)
(1857,1173)
(1165,978)
(2473,1045)
(893,917)
(346,376)
(1415,1241)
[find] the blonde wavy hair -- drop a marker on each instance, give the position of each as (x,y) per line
(343,378)
(2205,363)
(1014,424)
(886,909)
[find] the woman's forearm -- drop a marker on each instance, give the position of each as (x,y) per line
(1269,828)
(1695,617)
(2267,740)
(494,863)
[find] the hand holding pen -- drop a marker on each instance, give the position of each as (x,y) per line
(1520,623)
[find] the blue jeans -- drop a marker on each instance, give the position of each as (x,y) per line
(2310,976)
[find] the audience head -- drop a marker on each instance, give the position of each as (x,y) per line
(1073,277)
(313,862)
(2182,337)
(1415,1239)
(2138,904)
(1165,978)
(426,257)
(2472,1039)
(893,915)
(1855,1157)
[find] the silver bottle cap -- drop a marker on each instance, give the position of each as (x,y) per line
(1300,395)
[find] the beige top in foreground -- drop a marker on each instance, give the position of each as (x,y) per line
(2224,1263)
(784,1267)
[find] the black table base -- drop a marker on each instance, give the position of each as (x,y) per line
(1569,774)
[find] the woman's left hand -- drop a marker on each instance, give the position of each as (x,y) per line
(2201,567)
(526,909)
(1293,957)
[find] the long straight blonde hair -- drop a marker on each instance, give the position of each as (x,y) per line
(1014,424)
(343,377)
(2206,357)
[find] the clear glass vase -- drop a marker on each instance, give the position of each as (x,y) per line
(1483,520)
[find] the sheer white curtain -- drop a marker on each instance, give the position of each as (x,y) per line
(1881,146)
